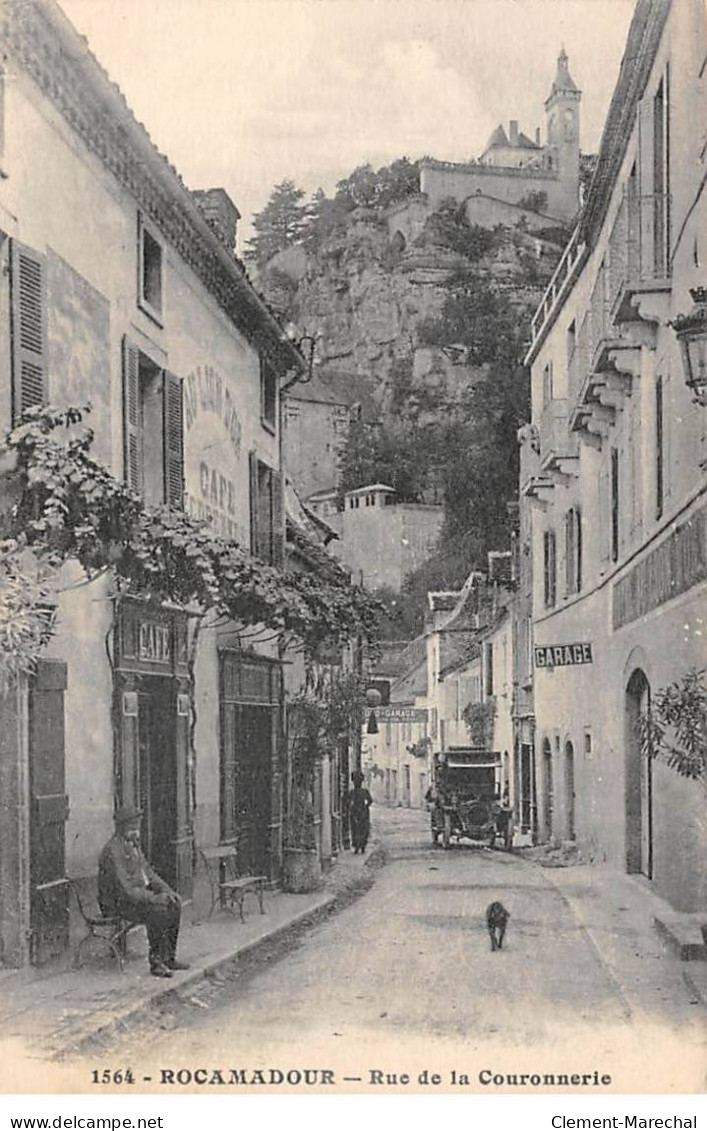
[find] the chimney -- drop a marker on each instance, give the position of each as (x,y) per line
(513,132)
(220,214)
(537,136)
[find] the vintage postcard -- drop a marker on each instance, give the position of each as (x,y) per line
(353,562)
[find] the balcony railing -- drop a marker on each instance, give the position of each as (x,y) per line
(564,271)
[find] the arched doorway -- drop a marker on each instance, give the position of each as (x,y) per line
(639,780)
(547,798)
(569,790)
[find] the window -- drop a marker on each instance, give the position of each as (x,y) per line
(149,272)
(659,449)
(153,429)
(661,177)
(28,324)
(550,568)
(571,341)
(547,384)
(488,670)
(268,395)
(614,504)
(267,521)
(573,550)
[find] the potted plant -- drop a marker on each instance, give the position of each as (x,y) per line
(674,728)
(327,712)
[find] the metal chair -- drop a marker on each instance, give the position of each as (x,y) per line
(113,931)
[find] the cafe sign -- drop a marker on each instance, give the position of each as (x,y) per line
(154,642)
(562,655)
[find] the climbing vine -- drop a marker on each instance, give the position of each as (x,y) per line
(675,727)
(69,507)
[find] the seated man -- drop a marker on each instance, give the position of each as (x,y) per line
(130,889)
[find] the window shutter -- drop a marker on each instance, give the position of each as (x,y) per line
(173,442)
(132,425)
(278,520)
(29,329)
(578,550)
(254,507)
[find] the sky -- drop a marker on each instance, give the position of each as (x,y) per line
(245,93)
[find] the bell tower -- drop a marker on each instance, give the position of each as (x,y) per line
(562,113)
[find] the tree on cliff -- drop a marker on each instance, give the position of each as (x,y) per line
(280,224)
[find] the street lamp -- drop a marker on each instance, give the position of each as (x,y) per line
(307,345)
(373,698)
(691,332)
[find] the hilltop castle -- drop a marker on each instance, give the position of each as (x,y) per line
(514,175)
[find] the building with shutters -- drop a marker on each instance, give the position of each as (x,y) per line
(121,288)
(614,473)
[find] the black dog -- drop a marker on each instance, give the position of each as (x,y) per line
(497,920)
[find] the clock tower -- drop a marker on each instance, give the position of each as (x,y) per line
(562,112)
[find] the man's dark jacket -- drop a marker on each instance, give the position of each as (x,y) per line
(122,889)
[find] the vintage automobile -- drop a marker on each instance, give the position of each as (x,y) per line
(464,796)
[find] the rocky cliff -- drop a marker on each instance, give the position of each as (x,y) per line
(377,300)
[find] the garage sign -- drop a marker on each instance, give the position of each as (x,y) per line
(562,655)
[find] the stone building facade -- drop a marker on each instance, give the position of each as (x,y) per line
(614,472)
(120,288)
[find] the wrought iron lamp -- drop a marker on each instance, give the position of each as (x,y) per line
(307,345)
(691,332)
(373,698)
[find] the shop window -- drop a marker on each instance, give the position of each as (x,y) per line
(550,568)
(267,522)
(153,430)
(268,395)
(150,271)
(28,307)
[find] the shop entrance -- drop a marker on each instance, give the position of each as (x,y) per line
(49,889)
(251,709)
(639,781)
(157,775)
(548,800)
(570,790)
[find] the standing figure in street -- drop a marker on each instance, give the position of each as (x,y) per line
(130,889)
(359,804)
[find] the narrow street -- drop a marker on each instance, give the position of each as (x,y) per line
(408,969)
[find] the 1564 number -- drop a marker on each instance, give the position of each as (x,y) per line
(112,1076)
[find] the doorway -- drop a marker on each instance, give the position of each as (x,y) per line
(49,808)
(548,799)
(639,781)
(569,790)
(251,711)
(157,775)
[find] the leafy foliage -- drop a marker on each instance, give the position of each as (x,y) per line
(280,224)
(535,201)
(327,712)
(479,719)
(70,507)
(675,727)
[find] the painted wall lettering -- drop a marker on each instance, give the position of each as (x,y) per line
(562,655)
